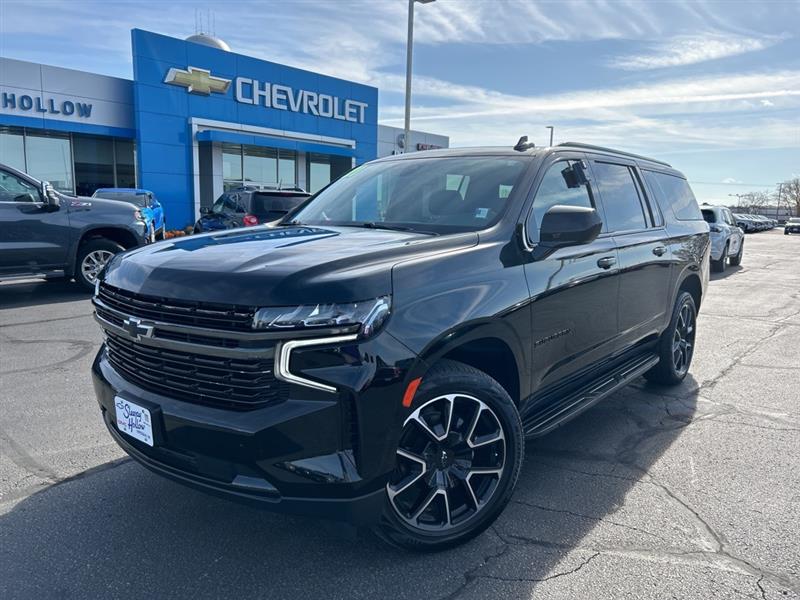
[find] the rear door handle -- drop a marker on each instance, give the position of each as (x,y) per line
(660,250)
(606,262)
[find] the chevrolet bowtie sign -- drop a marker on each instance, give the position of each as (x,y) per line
(269,95)
(197,81)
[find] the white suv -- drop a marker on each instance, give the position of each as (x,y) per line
(727,239)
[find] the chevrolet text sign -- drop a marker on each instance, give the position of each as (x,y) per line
(283,97)
(269,95)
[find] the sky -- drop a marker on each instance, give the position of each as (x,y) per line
(711,87)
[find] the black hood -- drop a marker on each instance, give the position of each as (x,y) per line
(262,266)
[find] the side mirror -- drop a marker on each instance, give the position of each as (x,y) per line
(564,226)
(204,210)
(49,195)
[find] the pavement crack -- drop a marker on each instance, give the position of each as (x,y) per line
(471,575)
(542,579)
(590,518)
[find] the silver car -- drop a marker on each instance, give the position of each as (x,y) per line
(727,239)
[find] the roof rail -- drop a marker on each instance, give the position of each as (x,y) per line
(602,149)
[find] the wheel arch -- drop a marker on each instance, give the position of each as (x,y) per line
(119,235)
(491,348)
(691,283)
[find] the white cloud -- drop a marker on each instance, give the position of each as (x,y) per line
(474,102)
(766,102)
(730,180)
(692,49)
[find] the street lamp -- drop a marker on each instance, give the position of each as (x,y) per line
(550,127)
(409,52)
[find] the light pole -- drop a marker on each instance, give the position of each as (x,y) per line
(550,127)
(409,53)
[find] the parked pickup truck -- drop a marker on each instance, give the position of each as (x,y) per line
(46,233)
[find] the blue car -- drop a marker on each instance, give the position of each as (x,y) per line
(149,207)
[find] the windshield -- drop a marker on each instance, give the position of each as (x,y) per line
(794,220)
(139,200)
(441,195)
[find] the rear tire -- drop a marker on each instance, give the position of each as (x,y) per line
(92,257)
(676,345)
(719,266)
(448,489)
(737,260)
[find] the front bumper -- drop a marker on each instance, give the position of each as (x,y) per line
(793,229)
(314,452)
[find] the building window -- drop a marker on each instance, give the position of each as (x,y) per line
(72,163)
(287,168)
(12,148)
(232,162)
(49,158)
(94,164)
(323,168)
(259,166)
(125,159)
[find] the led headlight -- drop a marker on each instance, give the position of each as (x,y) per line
(365,317)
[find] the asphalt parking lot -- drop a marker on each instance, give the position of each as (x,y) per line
(688,492)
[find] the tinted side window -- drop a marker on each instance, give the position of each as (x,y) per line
(621,201)
(709,216)
(729,217)
(677,194)
(14,189)
(558,186)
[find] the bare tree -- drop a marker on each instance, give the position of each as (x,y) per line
(753,202)
(790,194)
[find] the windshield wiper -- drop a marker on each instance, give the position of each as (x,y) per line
(374,225)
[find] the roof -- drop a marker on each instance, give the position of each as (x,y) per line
(509,151)
(124,190)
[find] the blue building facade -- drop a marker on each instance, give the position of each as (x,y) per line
(195,121)
(195,106)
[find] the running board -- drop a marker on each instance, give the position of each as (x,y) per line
(553,412)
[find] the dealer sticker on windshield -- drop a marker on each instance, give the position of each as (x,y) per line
(134,420)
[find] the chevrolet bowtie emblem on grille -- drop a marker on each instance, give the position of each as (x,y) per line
(136,329)
(197,81)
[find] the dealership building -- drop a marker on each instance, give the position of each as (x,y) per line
(196,119)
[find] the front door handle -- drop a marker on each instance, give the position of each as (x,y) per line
(606,262)
(660,250)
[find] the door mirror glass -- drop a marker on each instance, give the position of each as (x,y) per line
(564,226)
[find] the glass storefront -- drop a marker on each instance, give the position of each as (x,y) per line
(72,163)
(324,168)
(255,165)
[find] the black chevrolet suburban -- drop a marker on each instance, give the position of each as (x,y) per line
(46,233)
(382,355)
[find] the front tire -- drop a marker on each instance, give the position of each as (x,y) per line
(92,257)
(458,461)
(676,345)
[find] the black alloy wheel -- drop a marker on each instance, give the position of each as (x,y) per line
(457,461)
(683,340)
(676,345)
(449,461)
